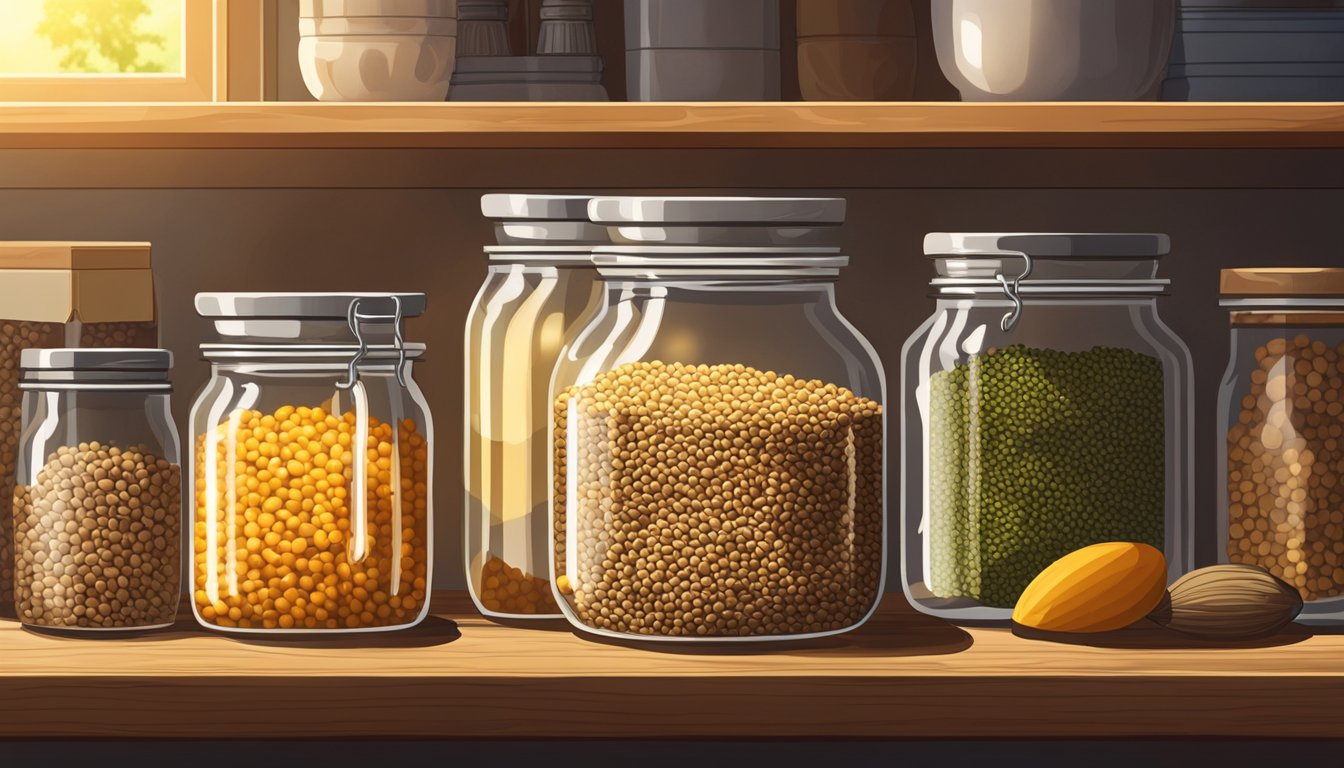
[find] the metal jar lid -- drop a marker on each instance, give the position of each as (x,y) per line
(1014,265)
(730,222)
(103,368)
(541,222)
(301,306)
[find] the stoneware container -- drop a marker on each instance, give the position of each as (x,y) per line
(528,78)
(1245,50)
(377,50)
(856,50)
(1054,50)
(702,50)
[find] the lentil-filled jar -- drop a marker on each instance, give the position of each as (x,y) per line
(1281,454)
(313,465)
(719,430)
(1046,407)
(538,290)
(98,494)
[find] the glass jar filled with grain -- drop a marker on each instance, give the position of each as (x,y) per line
(98,491)
(1281,454)
(538,291)
(312,468)
(1046,407)
(719,430)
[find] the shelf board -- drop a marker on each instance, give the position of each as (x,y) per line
(669,125)
(903,675)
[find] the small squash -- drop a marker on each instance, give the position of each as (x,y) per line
(1095,589)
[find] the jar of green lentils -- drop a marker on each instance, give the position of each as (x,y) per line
(718,430)
(1046,407)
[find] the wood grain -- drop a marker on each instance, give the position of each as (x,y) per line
(669,125)
(903,675)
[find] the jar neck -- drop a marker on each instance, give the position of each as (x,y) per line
(778,289)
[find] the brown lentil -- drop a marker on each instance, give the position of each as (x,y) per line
(1285,459)
(99,539)
(505,589)
(284,557)
(718,501)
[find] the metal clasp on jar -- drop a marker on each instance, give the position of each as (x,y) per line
(1013,291)
(354,317)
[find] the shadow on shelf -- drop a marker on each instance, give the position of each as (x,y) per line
(1149,636)
(884,636)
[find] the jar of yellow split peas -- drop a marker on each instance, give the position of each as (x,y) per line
(312,466)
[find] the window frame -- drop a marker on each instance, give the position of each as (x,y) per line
(205,64)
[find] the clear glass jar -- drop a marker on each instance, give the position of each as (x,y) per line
(1281,452)
(98,491)
(719,433)
(313,466)
(537,292)
(1046,407)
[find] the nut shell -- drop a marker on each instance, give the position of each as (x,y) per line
(1228,602)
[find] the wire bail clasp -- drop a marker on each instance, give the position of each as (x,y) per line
(1013,291)
(353,318)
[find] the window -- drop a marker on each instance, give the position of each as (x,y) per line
(129,50)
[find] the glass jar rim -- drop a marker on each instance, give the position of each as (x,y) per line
(310,353)
(103,368)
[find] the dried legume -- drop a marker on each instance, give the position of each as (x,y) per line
(98,539)
(718,501)
(1285,461)
(506,589)
(282,552)
(1036,453)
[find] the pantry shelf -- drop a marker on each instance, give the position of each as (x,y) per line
(458,676)
(669,125)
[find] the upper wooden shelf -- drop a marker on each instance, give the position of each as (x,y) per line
(709,125)
(901,676)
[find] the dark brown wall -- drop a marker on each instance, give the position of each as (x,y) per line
(429,238)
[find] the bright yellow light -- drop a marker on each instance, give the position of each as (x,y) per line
(26,52)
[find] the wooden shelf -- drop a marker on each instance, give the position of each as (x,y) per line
(901,676)
(700,125)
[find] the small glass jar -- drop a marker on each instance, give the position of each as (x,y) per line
(1046,407)
(1281,453)
(97,501)
(719,430)
(537,292)
(313,465)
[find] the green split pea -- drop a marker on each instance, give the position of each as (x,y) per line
(1034,453)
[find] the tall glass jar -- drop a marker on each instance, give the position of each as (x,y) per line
(313,465)
(719,431)
(537,292)
(97,502)
(1046,407)
(1281,452)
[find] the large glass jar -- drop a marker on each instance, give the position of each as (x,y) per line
(538,290)
(97,502)
(719,431)
(313,465)
(1281,452)
(1046,407)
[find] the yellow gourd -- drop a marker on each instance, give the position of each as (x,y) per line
(1095,589)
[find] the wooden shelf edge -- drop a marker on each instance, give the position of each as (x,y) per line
(668,125)
(458,676)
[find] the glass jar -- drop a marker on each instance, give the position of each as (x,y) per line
(719,431)
(63,294)
(313,465)
(98,491)
(538,289)
(1046,407)
(1281,454)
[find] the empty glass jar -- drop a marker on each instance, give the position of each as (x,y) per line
(1046,407)
(537,292)
(313,465)
(97,502)
(719,430)
(1281,452)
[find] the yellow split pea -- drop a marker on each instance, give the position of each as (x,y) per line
(283,552)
